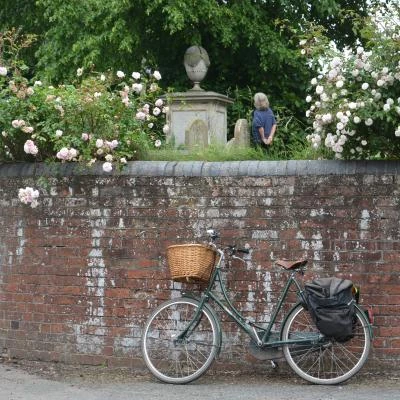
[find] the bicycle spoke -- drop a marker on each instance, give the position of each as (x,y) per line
(330,361)
(174,359)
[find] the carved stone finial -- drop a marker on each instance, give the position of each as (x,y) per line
(196,62)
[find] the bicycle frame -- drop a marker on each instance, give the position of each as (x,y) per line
(266,340)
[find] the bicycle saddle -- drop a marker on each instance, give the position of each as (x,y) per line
(291,264)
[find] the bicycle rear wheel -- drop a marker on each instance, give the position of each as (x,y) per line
(183,360)
(328,362)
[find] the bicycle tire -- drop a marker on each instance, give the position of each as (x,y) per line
(328,362)
(180,363)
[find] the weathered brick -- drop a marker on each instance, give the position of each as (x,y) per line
(80,274)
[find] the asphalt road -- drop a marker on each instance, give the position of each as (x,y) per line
(42,383)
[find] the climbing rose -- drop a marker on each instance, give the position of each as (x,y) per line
(107,167)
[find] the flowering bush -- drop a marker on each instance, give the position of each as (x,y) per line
(108,117)
(355,99)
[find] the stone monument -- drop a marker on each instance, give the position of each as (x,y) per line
(197,117)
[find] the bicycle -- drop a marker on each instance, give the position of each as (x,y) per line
(183,336)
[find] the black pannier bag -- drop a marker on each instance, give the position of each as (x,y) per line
(331,304)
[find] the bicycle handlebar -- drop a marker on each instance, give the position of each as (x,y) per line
(214,235)
(234,249)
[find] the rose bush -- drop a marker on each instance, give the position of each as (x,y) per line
(101,117)
(109,117)
(355,99)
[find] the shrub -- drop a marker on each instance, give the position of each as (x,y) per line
(106,117)
(355,99)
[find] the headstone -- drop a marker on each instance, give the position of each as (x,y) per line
(241,134)
(196,135)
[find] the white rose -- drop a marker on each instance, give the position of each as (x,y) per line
(73,153)
(3,71)
(332,74)
(120,75)
(27,129)
(59,133)
(335,62)
(369,121)
(141,116)
(339,84)
(352,105)
(107,167)
(324,97)
(137,87)
(365,86)
(136,75)
(319,89)
(157,75)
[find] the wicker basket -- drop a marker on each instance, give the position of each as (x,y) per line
(190,262)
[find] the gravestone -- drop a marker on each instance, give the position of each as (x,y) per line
(241,134)
(196,135)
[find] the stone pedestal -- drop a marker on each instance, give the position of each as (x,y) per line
(197,118)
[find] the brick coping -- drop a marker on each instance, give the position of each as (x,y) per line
(207,169)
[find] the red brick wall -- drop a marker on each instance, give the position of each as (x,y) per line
(80,273)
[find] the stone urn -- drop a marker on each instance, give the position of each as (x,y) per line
(196,62)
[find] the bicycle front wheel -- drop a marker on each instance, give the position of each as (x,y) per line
(327,362)
(180,360)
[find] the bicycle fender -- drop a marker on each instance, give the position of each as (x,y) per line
(193,296)
(367,318)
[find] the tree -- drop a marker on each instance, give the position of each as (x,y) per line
(246,36)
